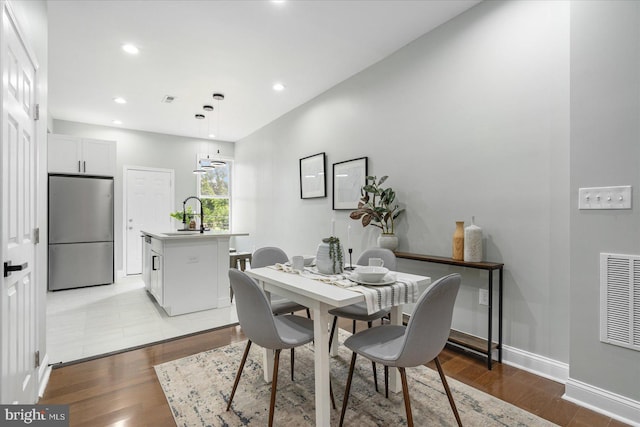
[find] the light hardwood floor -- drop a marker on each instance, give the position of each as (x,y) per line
(122,390)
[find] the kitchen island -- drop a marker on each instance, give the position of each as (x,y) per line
(186,271)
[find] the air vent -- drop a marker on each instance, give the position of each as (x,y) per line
(168,99)
(620,300)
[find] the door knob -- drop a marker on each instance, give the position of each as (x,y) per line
(8,268)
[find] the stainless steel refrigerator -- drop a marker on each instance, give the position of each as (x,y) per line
(80,231)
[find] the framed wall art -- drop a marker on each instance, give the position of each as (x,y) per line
(313,182)
(348,177)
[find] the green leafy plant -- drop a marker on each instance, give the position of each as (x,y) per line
(377,205)
(216,214)
(178,214)
(335,253)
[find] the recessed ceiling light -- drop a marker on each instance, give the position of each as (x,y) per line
(131,49)
(211,135)
(278,87)
(116,122)
(277,1)
(119,100)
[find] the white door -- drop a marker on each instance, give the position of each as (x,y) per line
(18,311)
(149,201)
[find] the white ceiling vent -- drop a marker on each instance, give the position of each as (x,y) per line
(620,300)
(168,99)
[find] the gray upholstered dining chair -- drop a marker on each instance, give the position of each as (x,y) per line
(271,255)
(358,311)
(419,342)
(261,326)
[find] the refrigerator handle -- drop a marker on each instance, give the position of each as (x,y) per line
(84,166)
(79,170)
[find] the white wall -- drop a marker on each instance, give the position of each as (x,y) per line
(470,119)
(605,150)
(138,148)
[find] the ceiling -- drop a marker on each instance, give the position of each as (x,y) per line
(191,49)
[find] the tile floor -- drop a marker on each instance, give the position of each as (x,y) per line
(92,321)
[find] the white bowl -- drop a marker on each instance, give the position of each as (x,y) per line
(371,274)
(308,260)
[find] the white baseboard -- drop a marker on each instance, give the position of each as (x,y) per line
(536,364)
(43,375)
(605,402)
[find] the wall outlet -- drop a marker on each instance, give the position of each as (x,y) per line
(484,297)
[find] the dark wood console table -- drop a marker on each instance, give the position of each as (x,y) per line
(461,339)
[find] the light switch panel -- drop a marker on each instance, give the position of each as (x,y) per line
(605,197)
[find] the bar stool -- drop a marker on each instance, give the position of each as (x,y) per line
(236,258)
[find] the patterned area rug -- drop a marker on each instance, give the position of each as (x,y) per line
(197,388)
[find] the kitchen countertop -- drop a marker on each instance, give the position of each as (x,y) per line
(181,235)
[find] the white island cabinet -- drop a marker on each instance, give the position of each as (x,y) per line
(186,271)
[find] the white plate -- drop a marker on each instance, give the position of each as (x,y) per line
(386,280)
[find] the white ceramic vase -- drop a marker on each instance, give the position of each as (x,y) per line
(388,241)
(473,243)
(324,263)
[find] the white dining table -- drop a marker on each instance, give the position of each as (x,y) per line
(321,297)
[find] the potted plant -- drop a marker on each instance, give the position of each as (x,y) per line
(329,259)
(377,207)
(178,216)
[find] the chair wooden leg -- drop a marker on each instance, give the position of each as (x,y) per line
(293,361)
(375,375)
(448,390)
(345,399)
(333,330)
(274,384)
(353,329)
(373,364)
(308,314)
(405,393)
(386,381)
(235,383)
(333,400)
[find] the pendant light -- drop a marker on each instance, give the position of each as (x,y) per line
(218,162)
(199,170)
(206,164)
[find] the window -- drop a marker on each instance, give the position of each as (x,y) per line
(214,189)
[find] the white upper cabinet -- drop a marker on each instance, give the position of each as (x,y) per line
(84,156)
(98,157)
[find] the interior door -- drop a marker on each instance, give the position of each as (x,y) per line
(18,296)
(149,201)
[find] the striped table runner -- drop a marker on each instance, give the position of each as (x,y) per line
(377,298)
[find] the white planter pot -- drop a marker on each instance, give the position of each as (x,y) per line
(324,263)
(388,241)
